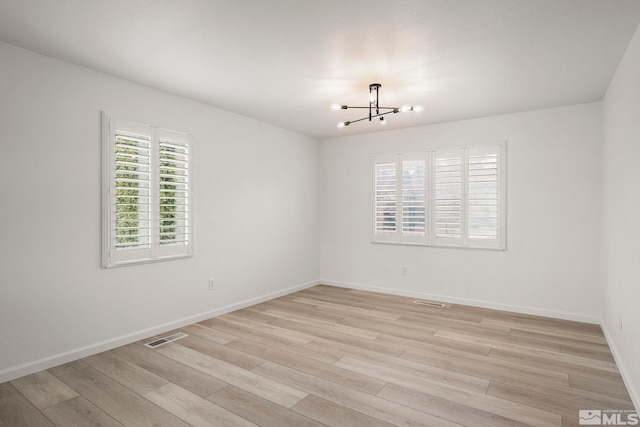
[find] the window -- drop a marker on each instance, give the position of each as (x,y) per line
(147,186)
(400,185)
(448,197)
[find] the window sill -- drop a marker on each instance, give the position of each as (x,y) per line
(375,242)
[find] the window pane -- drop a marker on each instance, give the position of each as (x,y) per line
(483,197)
(448,197)
(173,193)
(132,192)
(385,198)
(413,197)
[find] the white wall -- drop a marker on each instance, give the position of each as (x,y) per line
(255,214)
(621,201)
(552,262)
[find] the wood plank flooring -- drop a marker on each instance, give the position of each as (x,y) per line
(335,357)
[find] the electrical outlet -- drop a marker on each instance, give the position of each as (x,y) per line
(620,322)
(212,284)
(404,269)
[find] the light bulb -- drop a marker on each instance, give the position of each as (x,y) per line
(405,108)
(372,97)
(341,125)
(383,121)
(335,107)
(418,108)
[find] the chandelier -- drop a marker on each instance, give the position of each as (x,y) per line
(375,108)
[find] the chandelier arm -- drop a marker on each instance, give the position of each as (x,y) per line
(381,108)
(359,120)
(373,116)
(382,114)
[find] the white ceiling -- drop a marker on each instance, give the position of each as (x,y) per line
(285,61)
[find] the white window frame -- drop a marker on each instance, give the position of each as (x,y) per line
(431,237)
(154,250)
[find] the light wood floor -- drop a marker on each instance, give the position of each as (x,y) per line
(337,357)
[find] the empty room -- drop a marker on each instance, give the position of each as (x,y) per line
(319,213)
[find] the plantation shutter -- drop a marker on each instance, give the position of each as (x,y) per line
(133,192)
(130,192)
(448,177)
(385,198)
(413,200)
(147,208)
(174,189)
(449,197)
(485,196)
(399,198)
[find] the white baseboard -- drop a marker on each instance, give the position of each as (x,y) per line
(465,301)
(624,372)
(78,353)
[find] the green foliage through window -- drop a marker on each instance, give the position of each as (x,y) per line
(132,202)
(173,192)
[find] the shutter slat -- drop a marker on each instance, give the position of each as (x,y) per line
(122,165)
(134,139)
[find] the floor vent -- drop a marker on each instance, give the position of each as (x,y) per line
(431,303)
(170,338)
